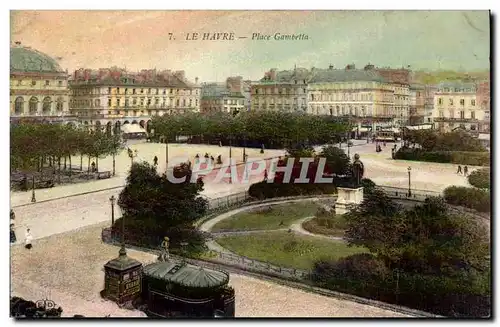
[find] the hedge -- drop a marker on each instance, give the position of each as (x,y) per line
(467,295)
(468,197)
(455,157)
(480,178)
(265,190)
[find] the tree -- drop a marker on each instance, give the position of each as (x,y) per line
(337,161)
(153,205)
(425,239)
(480,178)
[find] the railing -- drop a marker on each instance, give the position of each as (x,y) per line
(458,120)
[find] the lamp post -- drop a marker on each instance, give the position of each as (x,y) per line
(33,198)
(166,153)
(112,199)
(409,181)
(132,155)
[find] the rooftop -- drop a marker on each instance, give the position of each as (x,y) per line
(186,274)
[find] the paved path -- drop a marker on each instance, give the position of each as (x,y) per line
(297,227)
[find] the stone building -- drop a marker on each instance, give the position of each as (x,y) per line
(416,104)
(484,100)
(38,87)
(114,96)
(224,97)
(281,91)
(455,106)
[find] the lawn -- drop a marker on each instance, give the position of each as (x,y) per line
(287,249)
(268,217)
(331,226)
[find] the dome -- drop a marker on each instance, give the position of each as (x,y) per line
(24,59)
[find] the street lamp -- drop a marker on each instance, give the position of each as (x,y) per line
(33,198)
(132,155)
(409,181)
(112,199)
(166,153)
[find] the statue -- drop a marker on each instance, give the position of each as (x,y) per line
(358,170)
(164,256)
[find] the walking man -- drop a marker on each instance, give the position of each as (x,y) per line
(265,175)
(459,171)
(27,240)
(155,161)
(466,170)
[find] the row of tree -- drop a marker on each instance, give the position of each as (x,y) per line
(431,140)
(35,146)
(271,129)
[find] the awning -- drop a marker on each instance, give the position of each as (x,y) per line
(132,128)
(484,136)
(362,129)
(417,127)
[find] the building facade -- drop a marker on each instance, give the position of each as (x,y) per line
(416,104)
(429,93)
(281,91)
(38,87)
(223,97)
(455,106)
(114,96)
(484,100)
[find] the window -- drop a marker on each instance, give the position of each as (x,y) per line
(441,114)
(109,102)
(440,101)
(97,102)
(19,105)
(109,90)
(157,91)
(462,114)
(451,102)
(472,115)
(462,102)
(472,102)
(33,104)
(19,82)
(59,104)
(47,102)
(149,91)
(33,83)
(149,102)
(142,91)
(177,102)
(164,91)
(117,102)
(133,91)
(183,102)
(47,83)
(190,102)
(134,101)
(157,101)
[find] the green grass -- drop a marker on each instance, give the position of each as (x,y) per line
(287,249)
(268,217)
(332,226)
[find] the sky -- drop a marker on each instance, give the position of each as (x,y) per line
(425,40)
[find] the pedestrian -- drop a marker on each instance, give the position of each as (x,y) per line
(466,170)
(27,239)
(93,167)
(459,171)
(155,161)
(212,159)
(13,237)
(220,143)
(265,175)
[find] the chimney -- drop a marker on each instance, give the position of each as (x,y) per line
(196,80)
(272,74)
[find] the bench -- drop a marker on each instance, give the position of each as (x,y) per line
(103,175)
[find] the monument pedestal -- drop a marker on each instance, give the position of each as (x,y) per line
(347,197)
